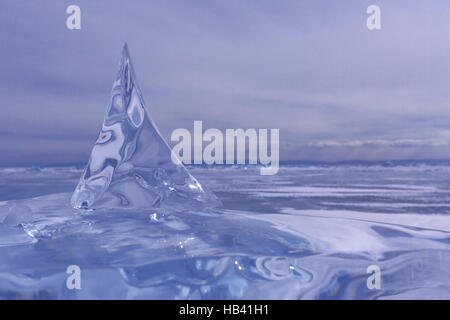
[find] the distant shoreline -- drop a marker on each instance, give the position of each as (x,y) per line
(292,163)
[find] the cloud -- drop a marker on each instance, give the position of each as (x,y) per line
(308,68)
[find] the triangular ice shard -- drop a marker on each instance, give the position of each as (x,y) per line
(131,164)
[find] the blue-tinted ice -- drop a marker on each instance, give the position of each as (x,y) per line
(307,232)
(131,166)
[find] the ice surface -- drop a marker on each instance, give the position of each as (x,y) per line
(304,233)
(131,165)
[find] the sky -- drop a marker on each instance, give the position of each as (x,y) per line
(311,68)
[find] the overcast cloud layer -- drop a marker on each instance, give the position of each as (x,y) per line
(311,68)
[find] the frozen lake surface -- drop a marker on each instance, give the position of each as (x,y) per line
(308,232)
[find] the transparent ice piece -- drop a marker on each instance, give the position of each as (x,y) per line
(131,164)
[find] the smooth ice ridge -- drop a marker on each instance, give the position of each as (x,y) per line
(131,164)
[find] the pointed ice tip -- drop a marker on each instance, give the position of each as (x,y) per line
(125,50)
